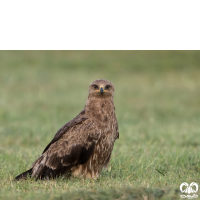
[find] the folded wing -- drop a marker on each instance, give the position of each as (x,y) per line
(73,144)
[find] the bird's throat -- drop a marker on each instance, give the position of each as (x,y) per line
(100,109)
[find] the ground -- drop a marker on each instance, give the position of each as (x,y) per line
(157,100)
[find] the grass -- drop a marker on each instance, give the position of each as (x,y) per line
(157,100)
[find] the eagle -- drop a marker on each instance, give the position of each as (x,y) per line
(83,146)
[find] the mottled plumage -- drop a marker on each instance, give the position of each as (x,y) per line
(83,146)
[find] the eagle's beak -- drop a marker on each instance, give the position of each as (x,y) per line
(101,89)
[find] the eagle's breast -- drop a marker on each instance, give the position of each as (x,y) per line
(103,116)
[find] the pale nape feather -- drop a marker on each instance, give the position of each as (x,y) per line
(83,146)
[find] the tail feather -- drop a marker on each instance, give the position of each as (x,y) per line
(24,175)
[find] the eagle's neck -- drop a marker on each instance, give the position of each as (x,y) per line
(100,109)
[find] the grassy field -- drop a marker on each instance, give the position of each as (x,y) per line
(157,100)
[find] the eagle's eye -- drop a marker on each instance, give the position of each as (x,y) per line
(107,87)
(95,87)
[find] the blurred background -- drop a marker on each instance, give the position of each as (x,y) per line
(157,100)
(41,90)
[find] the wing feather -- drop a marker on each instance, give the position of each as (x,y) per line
(72,145)
(78,119)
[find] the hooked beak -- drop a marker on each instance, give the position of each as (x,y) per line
(101,89)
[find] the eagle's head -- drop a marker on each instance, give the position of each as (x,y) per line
(101,88)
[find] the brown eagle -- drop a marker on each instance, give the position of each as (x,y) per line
(83,146)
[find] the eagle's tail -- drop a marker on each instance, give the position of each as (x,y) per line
(24,175)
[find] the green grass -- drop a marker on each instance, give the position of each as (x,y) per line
(157,100)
